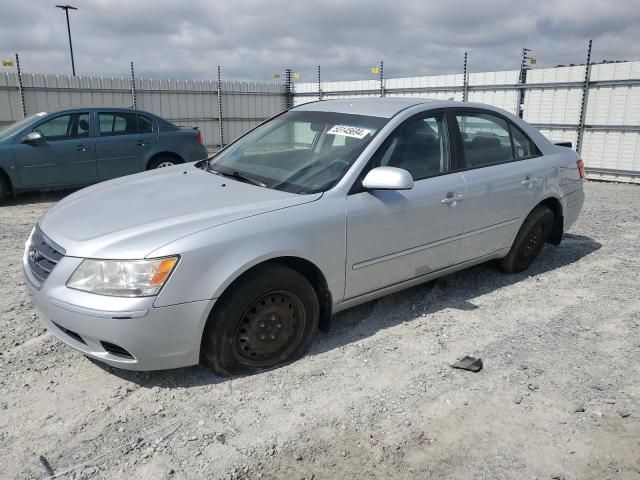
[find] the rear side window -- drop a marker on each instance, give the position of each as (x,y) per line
(485,139)
(117,123)
(145,124)
(488,140)
(522,146)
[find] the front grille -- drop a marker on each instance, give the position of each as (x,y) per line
(43,255)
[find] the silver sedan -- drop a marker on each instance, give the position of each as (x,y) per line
(236,261)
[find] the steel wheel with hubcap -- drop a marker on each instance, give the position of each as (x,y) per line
(165,165)
(265,319)
(270,329)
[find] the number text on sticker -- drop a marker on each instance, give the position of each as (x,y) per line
(346,131)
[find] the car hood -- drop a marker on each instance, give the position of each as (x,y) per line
(130,217)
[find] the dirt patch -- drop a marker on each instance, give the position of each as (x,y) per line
(558,396)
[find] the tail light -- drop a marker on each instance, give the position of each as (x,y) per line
(199,137)
(581,170)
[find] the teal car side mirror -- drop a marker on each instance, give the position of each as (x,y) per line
(32,137)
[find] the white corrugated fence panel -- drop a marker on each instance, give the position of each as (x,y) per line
(553,105)
(618,105)
(612,150)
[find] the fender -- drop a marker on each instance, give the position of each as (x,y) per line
(218,256)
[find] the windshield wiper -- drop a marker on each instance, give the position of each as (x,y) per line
(238,176)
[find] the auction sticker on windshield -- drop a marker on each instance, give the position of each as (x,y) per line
(347,131)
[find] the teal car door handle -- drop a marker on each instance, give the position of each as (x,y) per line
(83,148)
(141,143)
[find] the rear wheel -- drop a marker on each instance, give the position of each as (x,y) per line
(163,161)
(267,319)
(4,188)
(531,237)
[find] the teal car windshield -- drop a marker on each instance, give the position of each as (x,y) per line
(19,125)
(299,152)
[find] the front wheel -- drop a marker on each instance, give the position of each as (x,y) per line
(267,319)
(529,241)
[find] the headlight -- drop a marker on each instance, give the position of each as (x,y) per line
(122,278)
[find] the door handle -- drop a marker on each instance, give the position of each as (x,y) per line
(529,180)
(141,143)
(82,148)
(452,199)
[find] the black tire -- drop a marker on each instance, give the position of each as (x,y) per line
(4,189)
(162,161)
(531,237)
(267,319)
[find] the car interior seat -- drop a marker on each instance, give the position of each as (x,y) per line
(83,128)
(485,148)
(418,151)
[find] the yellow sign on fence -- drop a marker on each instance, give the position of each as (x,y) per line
(277,76)
(296,75)
(7,63)
(533,60)
(375,70)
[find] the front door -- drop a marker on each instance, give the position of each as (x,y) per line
(394,236)
(65,156)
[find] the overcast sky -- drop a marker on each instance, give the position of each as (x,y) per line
(253,39)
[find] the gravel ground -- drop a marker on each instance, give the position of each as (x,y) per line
(558,397)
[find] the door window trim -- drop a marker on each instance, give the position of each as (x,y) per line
(460,158)
(357,187)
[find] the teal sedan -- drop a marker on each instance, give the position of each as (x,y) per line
(82,146)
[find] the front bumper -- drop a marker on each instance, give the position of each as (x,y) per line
(155,337)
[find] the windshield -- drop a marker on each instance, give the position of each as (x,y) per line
(299,152)
(19,125)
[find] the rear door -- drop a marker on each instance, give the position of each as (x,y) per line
(124,142)
(397,235)
(65,157)
(504,178)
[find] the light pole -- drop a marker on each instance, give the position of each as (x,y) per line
(66,9)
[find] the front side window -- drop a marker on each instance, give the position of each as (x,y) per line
(74,125)
(419,146)
(117,123)
(299,151)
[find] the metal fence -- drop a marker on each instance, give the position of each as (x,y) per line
(596,107)
(222,114)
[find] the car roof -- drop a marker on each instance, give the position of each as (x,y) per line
(99,109)
(374,107)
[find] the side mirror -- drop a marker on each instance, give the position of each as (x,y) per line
(388,178)
(32,137)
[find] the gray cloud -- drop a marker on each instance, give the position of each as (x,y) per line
(254,39)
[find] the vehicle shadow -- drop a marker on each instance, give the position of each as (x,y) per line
(457,291)
(452,291)
(31,198)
